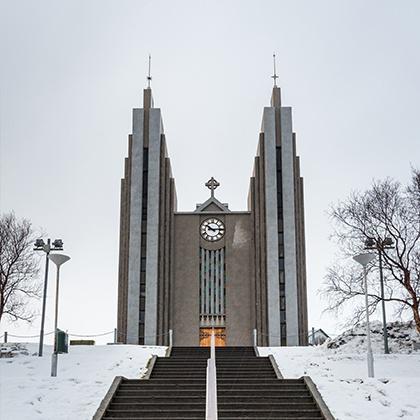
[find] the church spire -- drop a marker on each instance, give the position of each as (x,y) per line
(274,76)
(276,95)
(147,93)
(149,75)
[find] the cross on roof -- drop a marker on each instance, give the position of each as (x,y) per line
(212,184)
(274,76)
(149,76)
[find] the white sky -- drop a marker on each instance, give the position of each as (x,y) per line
(71,72)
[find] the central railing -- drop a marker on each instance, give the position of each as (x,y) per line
(211,383)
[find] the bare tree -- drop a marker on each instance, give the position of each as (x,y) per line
(386,210)
(18,268)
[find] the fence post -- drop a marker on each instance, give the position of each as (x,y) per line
(255,337)
(5,336)
(170,338)
(115,336)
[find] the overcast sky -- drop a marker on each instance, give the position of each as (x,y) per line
(71,72)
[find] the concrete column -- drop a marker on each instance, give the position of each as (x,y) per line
(212,288)
(134,251)
(222,277)
(216,280)
(153,203)
(202,259)
(288,188)
(270,176)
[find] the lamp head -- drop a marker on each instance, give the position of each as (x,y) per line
(39,243)
(388,241)
(370,243)
(364,259)
(58,259)
(58,244)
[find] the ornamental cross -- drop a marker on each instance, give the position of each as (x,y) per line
(149,75)
(212,184)
(274,76)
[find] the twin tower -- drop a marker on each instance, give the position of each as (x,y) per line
(212,269)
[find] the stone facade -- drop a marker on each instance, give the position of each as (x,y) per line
(252,277)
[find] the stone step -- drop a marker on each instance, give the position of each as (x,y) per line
(268,413)
(168,397)
(181,362)
(187,374)
(263,373)
(259,382)
(163,405)
(261,389)
(150,393)
(275,416)
(180,380)
(153,391)
(241,362)
(162,387)
(153,413)
(178,367)
(263,398)
(174,416)
(191,375)
(234,393)
(296,381)
(176,397)
(262,369)
(263,405)
(177,416)
(195,404)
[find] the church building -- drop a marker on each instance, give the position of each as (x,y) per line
(212,267)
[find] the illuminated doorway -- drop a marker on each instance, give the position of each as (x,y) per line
(219,333)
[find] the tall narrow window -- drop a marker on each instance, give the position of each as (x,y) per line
(212,288)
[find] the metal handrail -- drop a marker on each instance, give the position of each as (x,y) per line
(211,383)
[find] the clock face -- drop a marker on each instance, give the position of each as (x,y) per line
(212,229)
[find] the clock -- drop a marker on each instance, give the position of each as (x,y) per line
(212,229)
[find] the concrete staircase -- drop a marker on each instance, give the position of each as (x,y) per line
(176,389)
(248,388)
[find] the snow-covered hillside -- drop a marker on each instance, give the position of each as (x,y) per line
(401,338)
(27,392)
(339,370)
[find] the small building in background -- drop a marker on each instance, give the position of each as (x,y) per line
(317,337)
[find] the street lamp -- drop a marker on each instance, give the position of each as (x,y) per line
(58,260)
(380,245)
(40,245)
(364,260)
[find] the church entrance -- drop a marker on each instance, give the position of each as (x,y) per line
(219,335)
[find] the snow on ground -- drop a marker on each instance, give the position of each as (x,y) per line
(401,338)
(339,369)
(27,391)
(341,374)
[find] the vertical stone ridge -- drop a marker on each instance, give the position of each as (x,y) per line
(148,200)
(280,272)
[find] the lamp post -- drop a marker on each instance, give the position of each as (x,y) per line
(380,245)
(58,260)
(40,245)
(364,260)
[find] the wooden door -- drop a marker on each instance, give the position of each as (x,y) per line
(205,336)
